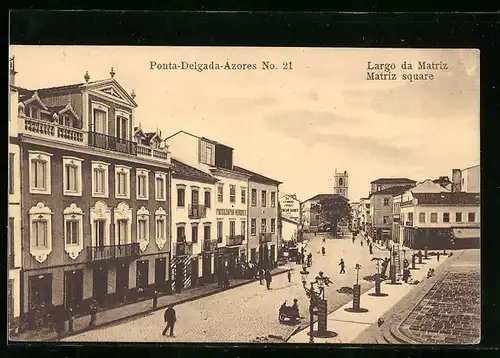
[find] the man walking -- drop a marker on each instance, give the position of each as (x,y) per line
(170,319)
(371,248)
(268,279)
(261,276)
(342,266)
(289,274)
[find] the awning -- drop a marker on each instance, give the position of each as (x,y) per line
(467,233)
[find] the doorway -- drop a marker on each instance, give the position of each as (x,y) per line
(207,268)
(194,271)
(142,277)
(73,289)
(100,285)
(40,299)
(179,276)
(160,274)
(122,282)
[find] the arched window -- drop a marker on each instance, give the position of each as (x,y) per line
(341,181)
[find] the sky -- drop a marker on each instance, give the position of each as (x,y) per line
(295,125)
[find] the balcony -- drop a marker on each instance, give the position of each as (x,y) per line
(113,252)
(103,141)
(265,237)
(209,245)
(183,249)
(235,240)
(153,153)
(409,223)
(197,211)
(51,130)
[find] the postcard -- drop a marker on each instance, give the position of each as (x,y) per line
(244,195)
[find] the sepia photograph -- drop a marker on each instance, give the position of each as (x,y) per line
(276,195)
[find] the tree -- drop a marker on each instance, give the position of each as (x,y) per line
(334,209)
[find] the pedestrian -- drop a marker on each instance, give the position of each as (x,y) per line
(438,254)
(261,276)
(324,239)
(289,274)
(70,320)
(353,238)
(170,320)
(93,313)
(371,248)
(361,241)
(323,251)
(268,279)
(342,266)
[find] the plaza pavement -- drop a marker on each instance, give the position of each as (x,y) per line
(349,325)
(246,313)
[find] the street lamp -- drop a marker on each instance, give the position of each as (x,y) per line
(322,281)
(358,267)
(313,299)
(304,274)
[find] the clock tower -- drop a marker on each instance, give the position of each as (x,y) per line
(341,183)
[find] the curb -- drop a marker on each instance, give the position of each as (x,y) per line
(151,310)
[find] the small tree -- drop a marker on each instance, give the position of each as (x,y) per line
(333,210)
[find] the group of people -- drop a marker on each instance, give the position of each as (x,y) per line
(265,275)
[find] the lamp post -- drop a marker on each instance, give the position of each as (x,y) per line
(358,267)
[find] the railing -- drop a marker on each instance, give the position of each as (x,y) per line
(197,211)
(265,237)
(112,252)
(143,150)
(51,129)
(235,240)
(183,249)
(409,223)
(103,141)
(159,154)
(209,245)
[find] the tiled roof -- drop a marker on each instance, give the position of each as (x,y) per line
(393,180)
(255,176)
(447,198)
(327,196)
(185,170)
(393,190)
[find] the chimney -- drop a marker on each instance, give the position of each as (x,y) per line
(456,181)
(12,77)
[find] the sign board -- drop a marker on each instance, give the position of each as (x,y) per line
(290,208)
(322,317)
(231,212)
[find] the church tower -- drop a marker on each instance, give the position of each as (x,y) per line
(341,183)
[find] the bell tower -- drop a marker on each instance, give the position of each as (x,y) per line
(341,183)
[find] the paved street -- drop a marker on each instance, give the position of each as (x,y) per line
(245,313)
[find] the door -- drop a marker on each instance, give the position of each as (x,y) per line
(122,281)
(194,271)
(207,267)
(142,276)
(272,254)
(179,276)
(40,299)
(266,256)
(73,282)
(160,274)
(100,285)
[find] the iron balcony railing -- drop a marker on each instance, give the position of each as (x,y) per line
(103,141)
(409,223)
(265,237)
(113,252)
(197,211)
(209,245)
(235,240)
(183,248)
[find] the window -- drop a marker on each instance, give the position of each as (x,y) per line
(220,193)
(421,217)
(40,233)
(208,199)
(141,229)
(66,121)
(410,217)
(471,217)
(340,181)
(273,225)
(160,186)
(243,195)
(254,197)
(273,199)
(379,187)
(232,193)
(122,181)
(243,228)
(386,219)
(263,225)
(434,217)
(206,232)
(160,228)
(100,118)
(181,233)
(253,227)
(11,243)
(458,217)
(121,231)
(219,231)
(386,201)
(72,233)
(194,233)
(232,228)
(39,173)
(100,233)
(195,196)
(121,127)
(207,152)
(209,155)
(181,192)
(264,199)
(34,112)
(11,173)
(100,188)
(72,176)
(446,217)
(123,224)
(142,184)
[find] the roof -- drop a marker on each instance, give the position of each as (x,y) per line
(194,135)
(283,218)
(393,180)
(447,198)
(393,190)
(327,196)
(255,176)
(472,166)
(184,170)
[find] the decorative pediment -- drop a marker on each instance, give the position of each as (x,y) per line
(112,90)
(69,109)
(36,99)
